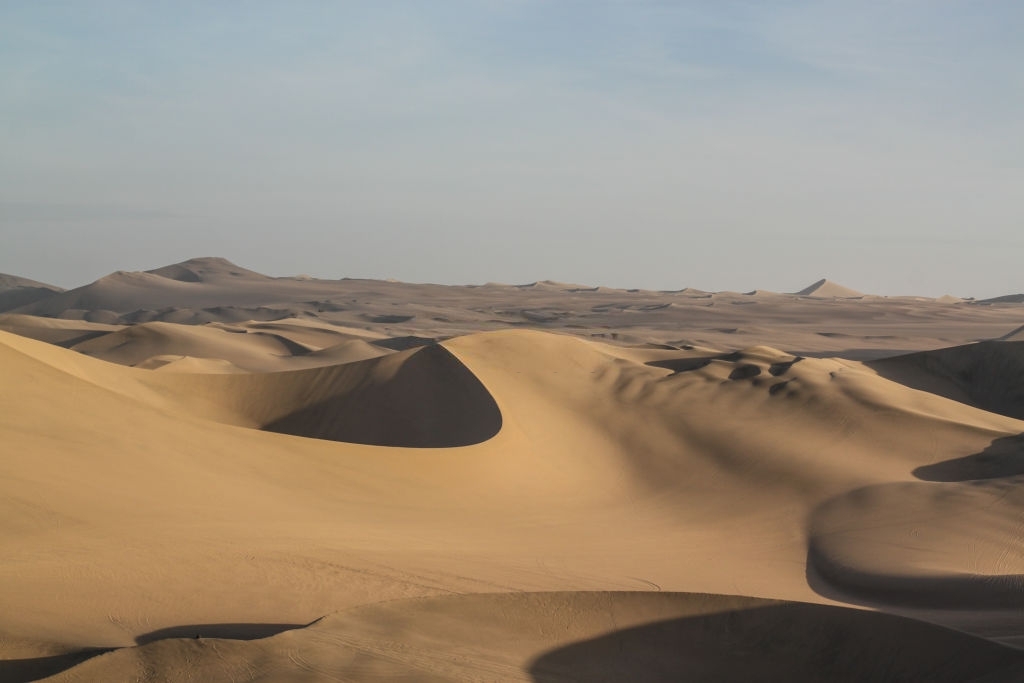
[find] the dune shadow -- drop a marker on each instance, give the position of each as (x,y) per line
(988,375)
(791,642)
(745,371)
(431,401)
(782,367)
(681,364)
(35,668)
(839,581)
(403,343)
(677,365)
(1004,457)
(230,631)
(84,337)
(872,546)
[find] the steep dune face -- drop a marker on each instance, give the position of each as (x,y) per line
(136,501)
(423,398)
(989,375)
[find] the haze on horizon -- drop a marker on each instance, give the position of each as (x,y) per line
(726,145)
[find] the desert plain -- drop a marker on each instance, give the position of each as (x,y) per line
(210,474)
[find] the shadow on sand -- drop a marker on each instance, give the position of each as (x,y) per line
(1004,457)
(35,668)
(789,642)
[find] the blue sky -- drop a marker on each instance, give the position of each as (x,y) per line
(720,145)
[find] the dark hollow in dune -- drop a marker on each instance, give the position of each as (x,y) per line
(745,372)
(777,369)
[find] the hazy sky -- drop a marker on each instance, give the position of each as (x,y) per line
(718,144)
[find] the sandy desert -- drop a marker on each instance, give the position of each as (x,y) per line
(212,474)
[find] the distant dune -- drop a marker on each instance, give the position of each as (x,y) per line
(19,291)
(304,480)
(828,318)
(827,288)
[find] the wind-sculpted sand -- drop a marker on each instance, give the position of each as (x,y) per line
(325,497)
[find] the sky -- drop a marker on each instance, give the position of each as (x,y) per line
(723,145)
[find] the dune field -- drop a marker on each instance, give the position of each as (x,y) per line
(209,474)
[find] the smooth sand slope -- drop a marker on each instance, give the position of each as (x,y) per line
(487,508)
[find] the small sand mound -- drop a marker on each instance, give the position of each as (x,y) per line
(189,364)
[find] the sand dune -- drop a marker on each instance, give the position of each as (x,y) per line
(827,288)
(321,501)
(251,346)
(20,291)
(551,637)
(989,375)
(207,290)
(54,331)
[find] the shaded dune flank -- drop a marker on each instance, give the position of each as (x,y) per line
(422,398)
(428,399)
(988,375)
(936,545)
(573,636)
(1004,457)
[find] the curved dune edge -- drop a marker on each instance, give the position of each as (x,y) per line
(987,375)
(915,544)
(425,397)
(562,636)
(421,398)
(429,399)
